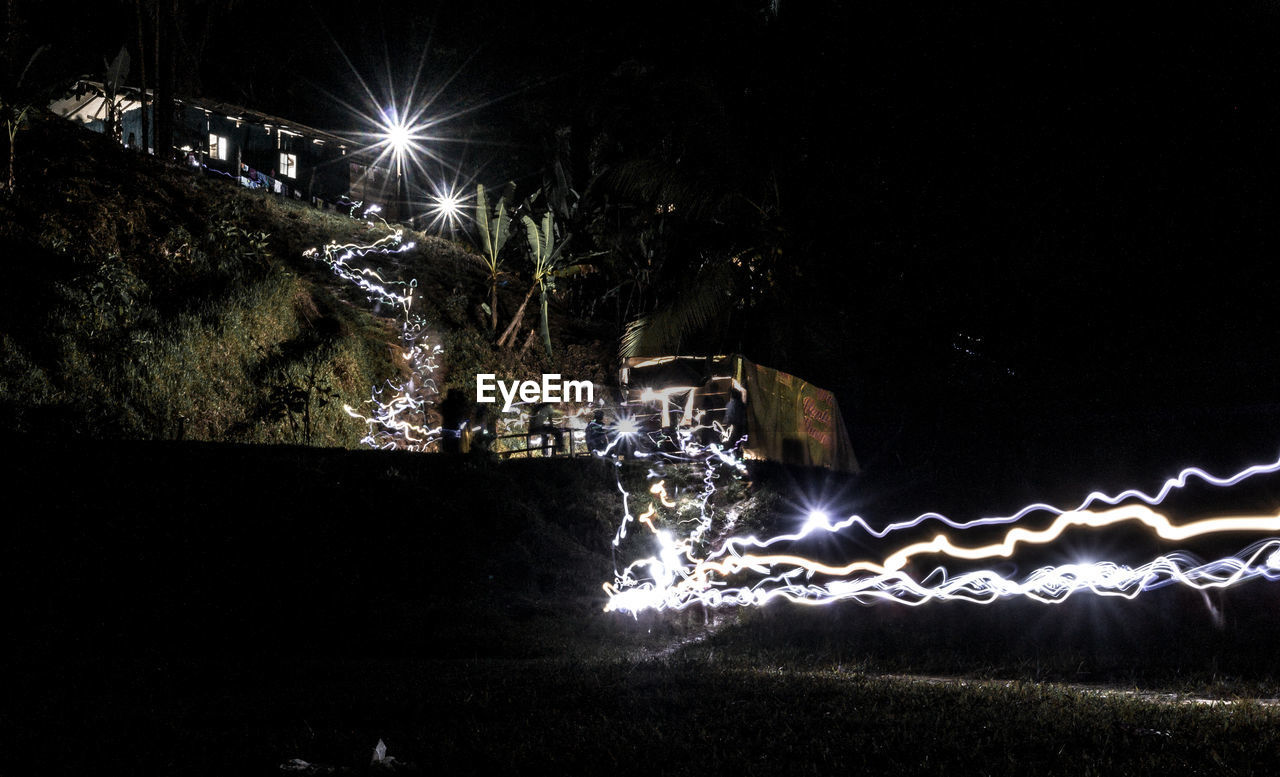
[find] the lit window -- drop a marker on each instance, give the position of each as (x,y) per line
(217,147)
(288,165)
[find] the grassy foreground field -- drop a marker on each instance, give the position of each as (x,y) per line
(184,608)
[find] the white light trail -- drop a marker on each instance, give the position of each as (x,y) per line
(397,415)
(733,573)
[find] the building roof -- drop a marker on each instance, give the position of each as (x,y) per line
(86,103)
(241,113)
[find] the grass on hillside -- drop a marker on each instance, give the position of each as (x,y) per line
(143,301)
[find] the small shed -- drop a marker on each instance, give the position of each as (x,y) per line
(255,148)
(291,157)
(787,419)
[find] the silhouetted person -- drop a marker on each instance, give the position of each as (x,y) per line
(454,414)
(540,423)
(735,416)
(597,433)
(484,429)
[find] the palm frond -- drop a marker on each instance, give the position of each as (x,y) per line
(504,228)
(535,240)
(663,330)
(494,227)
(558,251)
(633,336)
(548,236)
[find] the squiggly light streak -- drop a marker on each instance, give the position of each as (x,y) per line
(399,421)
(337,258)
(1097,496)
(1158,523)
(676,578)
(1003,549)
(1048,585)
(1179,482)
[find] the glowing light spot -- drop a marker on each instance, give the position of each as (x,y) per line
(818,519)
(398,137)
(448,205)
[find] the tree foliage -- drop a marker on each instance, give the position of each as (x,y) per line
(494,228)
(18,96)
(545,253)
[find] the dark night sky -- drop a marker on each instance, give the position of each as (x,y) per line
(1088,193)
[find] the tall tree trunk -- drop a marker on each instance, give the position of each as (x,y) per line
(113,123)
(13,180)
(165,62)
(13,122)
(546,328)
(493,304)
(142,62)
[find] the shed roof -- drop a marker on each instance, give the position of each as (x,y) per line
(86,102)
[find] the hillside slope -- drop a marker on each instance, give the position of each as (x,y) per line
(143,301)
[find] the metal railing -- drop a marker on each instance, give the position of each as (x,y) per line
(572,443)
